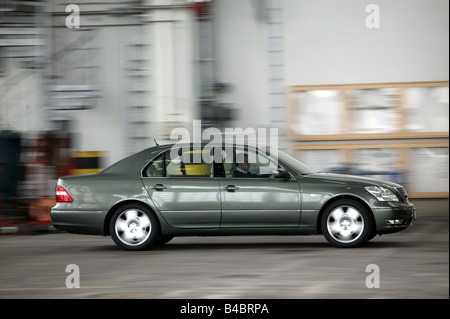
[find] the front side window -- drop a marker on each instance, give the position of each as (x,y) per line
(242,163)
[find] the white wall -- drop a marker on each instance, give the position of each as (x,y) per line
(327,41)
(241,58)
(171,92)
(21,98)
(102,127)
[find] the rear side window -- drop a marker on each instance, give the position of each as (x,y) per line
(181,165)
(155,168)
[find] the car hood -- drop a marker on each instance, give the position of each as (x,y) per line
(350,179)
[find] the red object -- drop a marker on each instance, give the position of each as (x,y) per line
(62,195)
(26,223)
(200,8)
(39,210)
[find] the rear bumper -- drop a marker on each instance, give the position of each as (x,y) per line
(79,222)
(394,219)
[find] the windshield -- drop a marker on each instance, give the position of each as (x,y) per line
(293,163)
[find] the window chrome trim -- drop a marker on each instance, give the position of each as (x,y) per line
(279,163)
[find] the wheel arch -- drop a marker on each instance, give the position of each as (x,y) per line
(123,203)
(335,199)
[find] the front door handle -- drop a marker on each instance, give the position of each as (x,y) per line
(230,188)
(158,187)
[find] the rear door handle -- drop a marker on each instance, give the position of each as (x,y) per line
(158,187)
(230,188)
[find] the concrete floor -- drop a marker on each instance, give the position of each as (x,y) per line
(410,264)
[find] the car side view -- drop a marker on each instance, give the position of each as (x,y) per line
(174,190)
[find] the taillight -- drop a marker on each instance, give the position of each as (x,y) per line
(62,195)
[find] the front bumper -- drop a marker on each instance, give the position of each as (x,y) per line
(395,218)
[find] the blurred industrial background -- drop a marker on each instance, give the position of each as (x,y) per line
(353,86)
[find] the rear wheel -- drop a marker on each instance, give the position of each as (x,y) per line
(134,227)
(347,223)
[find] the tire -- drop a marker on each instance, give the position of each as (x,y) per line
(134,227)
(372,236)
(162,240)
(346,224)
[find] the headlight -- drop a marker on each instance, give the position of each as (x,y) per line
(382,194)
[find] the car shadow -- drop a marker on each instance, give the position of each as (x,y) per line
(273,247)
(240,246)
(279,246)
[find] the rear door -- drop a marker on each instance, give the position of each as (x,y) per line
(185,192)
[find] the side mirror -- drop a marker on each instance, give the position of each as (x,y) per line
(281,173)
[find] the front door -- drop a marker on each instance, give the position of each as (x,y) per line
(252,197)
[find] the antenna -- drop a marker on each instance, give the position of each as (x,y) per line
(156,142)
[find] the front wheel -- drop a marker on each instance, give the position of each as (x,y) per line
(346,223)
(134,227)
(162,240)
